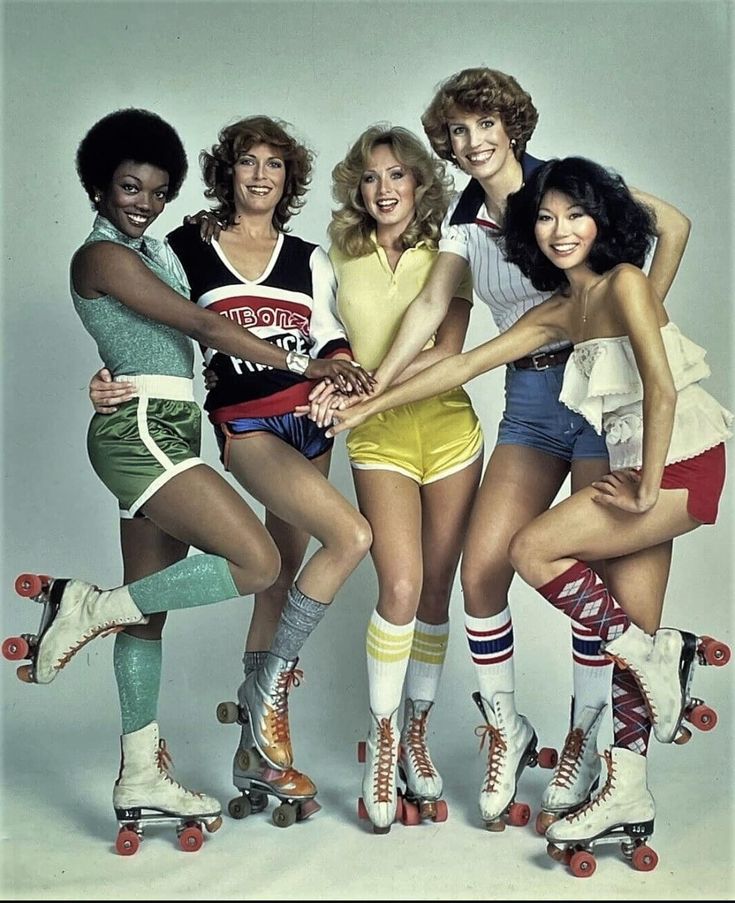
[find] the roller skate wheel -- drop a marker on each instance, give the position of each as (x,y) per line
(544,820)
(442,811)
(242,759)
(410,814)
(556,853)
(29,585)
(519,814)
(714,652)
(227,712)
(284,815)
(361,752)
(644,859)
(213,825)
(361,809)
(240,807)
(306,809)
(127,842)
(15,648)
(582,864)
(191,839)
(547,757)
(702,717)
(25,674)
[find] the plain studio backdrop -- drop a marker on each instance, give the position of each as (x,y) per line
(644,87)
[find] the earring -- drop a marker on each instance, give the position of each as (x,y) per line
(513,142)
(97,197)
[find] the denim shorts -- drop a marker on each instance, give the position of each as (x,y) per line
(535,417)
(300,433)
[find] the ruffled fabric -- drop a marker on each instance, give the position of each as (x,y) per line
(602,383)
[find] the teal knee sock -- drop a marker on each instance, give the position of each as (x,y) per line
(137,664)
(197,580)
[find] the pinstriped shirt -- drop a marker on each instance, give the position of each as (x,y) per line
(469,231)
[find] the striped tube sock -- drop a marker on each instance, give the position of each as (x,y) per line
(137,666)
(491,647)
(583,597)
(591,671)
(388,647)
(631,721)
(428,651)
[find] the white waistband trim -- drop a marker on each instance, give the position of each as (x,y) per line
(173,388)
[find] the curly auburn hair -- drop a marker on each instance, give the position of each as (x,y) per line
(625,228)
(480,90)
(352,225)
(237,139)
(129,134)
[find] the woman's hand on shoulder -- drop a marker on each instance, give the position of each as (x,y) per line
(106,394)
(209,225)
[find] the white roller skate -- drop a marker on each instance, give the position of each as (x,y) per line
(511,748)
(74,612)
(663,667)
(256,780)
(145,793)
(622,812)
(577,772)
(265,698)
(423,782)
(380,801)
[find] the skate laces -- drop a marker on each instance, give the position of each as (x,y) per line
(278,718)
(417,748)
(109,626)
(571,756)
(165,763)
(602,795)
(495,752)
(384,774)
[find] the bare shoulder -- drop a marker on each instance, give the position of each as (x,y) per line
(626,277)
(93,265)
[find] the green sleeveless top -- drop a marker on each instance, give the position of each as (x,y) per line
(128,343)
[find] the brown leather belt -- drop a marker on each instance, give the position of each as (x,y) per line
(542,361)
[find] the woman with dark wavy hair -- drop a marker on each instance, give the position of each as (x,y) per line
(576,229)
(416,469)
(481,120)
(280,288)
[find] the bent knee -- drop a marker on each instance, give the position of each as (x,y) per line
(525,554)
(358,540)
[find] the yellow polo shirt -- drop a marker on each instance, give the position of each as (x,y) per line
(372,298)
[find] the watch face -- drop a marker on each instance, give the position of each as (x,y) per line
(297,363)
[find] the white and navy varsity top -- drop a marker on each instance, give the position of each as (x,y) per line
(469,231)
(292,304)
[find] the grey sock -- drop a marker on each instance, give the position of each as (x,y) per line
(299,617)
(253,660)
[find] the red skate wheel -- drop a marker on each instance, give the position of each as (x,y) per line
(24,674)
(15,648)
(644,859)
(442,811)
(29,585)
(547,757)
(410,814)
(400,803)
(714,652)
(519,814)
(361,809)
(127,842)
(702,717)
(191,839)
(582,864)
(361,751)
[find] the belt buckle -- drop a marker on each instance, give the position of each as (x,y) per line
(535,359)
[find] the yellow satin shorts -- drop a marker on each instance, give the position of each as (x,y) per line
(425,440)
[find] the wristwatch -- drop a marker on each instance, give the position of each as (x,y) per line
(297,363)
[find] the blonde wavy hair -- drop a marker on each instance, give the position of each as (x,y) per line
(351,224)
(480,90)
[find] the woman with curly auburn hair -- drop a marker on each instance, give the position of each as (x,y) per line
(576,229)
(481,120)
(416,468)
(281,289)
